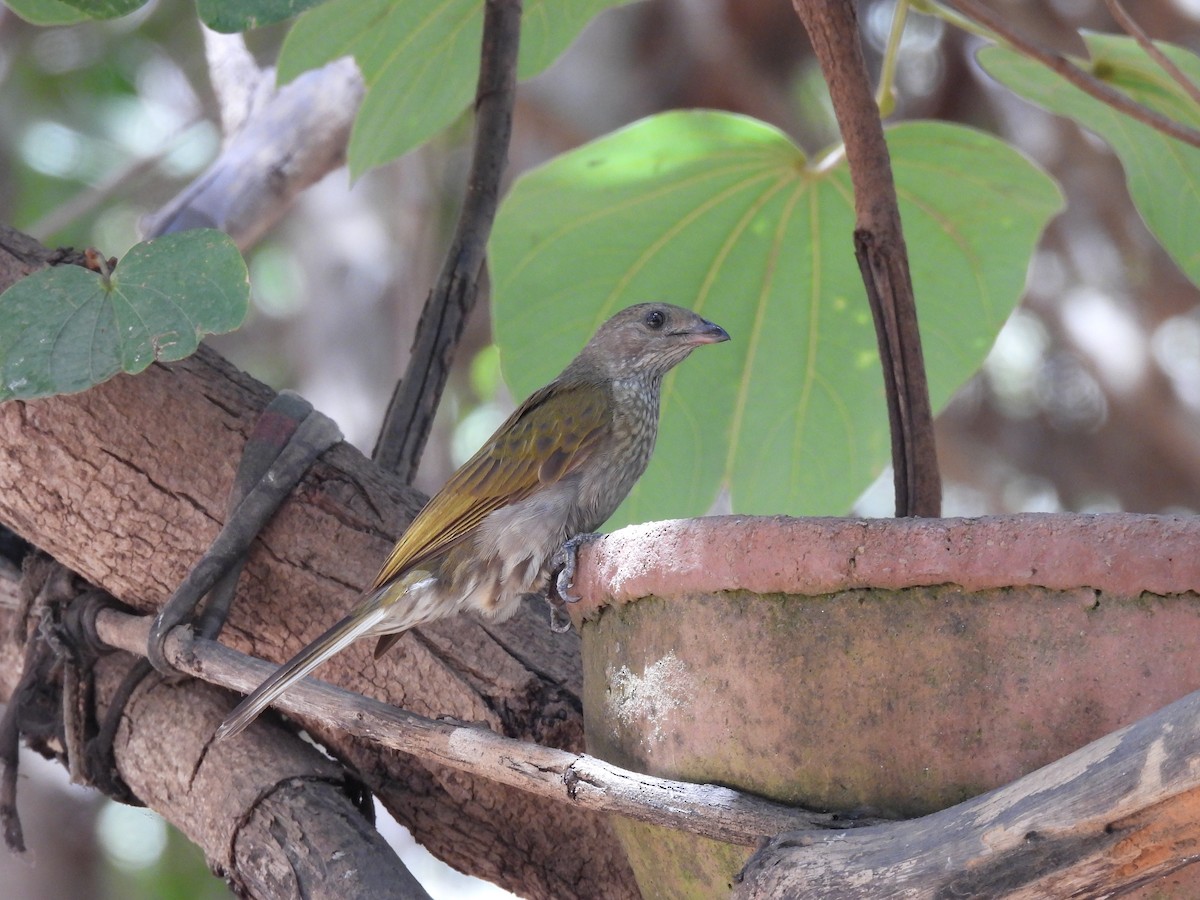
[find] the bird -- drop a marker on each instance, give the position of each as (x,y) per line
(555,470)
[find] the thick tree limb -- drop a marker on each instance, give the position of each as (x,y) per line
(1119,812)
(21,255)
(882,257)
(410,413)
(286,824)
(127,485)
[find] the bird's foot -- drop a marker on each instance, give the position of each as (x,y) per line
(564,560)
(560,622)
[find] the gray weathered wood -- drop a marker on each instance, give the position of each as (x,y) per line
(575,778)
(1113,815)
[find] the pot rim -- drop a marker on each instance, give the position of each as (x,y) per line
(1122,553)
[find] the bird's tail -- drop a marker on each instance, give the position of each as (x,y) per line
(373,610)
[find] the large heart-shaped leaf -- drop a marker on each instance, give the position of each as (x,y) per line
(420,60)
(1163,173)
(65,329)
(724,214)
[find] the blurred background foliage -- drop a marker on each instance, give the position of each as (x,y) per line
(1090,399)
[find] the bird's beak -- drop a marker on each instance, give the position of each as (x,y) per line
(707,333)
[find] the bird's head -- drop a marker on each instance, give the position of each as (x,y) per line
(647,339)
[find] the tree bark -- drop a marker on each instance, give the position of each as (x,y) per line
(299,836)
(126,484)
(1114,815)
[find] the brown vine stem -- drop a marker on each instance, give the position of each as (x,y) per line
(1134,30)
(882,257)
(410,413)
(1085,81)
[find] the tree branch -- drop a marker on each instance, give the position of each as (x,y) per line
(285,823)
(1085,81)
(882,257)
(242,89)
(1119,812)
(415,400)
(290,821)
(296,136)
(573,778)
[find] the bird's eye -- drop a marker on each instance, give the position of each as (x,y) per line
(655,320)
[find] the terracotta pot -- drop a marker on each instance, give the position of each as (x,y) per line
(898,666)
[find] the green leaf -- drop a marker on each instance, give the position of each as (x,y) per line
(420,61)
(723,214)
(105,9)
(65,329)
(46,12)
(1163,173)
(242,15)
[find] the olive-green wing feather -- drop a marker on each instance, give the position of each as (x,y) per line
(547,437)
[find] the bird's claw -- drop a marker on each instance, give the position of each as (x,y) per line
(560,622)
(564,560)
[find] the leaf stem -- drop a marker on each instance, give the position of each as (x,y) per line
(950,17)
(885,94)
(97,263)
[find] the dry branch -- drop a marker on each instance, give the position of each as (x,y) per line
(574,778)
(1115,814)
(295,137)
(286,824)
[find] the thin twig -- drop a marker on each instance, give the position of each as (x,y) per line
(415,400)
(1134,30)
(1082,79)
(885,92)
(708,810)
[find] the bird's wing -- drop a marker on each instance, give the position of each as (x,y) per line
(548,437)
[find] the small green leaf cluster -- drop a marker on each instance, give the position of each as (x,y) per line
(66,328)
